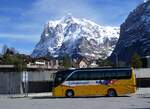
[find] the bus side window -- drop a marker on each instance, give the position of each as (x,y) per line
(74,76)
(124,74)
(83,75)
(110,74)
(97,75)
(93,75)
(101,75)
(107,75)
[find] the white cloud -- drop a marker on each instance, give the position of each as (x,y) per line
(22,43)
(55,9)
(32,38)
(103,14)
(41,11)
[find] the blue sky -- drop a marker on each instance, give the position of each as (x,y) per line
(22,21)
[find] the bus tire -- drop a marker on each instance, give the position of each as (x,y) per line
(111,93)
(69,93)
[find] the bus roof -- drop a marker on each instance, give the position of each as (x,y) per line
(114,68)
(102,68)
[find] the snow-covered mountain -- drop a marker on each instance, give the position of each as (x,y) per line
(135,34)
(145,1)
(75,37)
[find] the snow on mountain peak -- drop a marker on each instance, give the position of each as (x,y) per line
(145,1)
(76,36)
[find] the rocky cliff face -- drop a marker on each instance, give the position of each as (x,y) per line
(75,37)
(134,34)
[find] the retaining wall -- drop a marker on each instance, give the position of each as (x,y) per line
(11,82)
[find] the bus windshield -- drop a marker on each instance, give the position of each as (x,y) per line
(60,76)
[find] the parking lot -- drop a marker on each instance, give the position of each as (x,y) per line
(140,100)
(134,102)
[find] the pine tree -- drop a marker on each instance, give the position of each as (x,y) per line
(135,61)
(104,62)
(15,60)
(66,61)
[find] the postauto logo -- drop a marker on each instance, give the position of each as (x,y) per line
(105,82)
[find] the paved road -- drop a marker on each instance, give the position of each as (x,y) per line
(133,102)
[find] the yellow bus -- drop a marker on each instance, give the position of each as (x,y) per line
(94,82)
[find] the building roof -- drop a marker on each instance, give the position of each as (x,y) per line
(83,59)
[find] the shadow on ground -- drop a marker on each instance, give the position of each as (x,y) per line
(50,97)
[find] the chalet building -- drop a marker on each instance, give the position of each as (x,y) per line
(43,63)
(93,64)
(80,63)
(83,63)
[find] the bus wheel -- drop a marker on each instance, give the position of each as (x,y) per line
(69,93)
(111,93)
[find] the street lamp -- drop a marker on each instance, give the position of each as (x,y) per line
(116,55)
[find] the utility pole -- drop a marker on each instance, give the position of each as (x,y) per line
(25,80)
